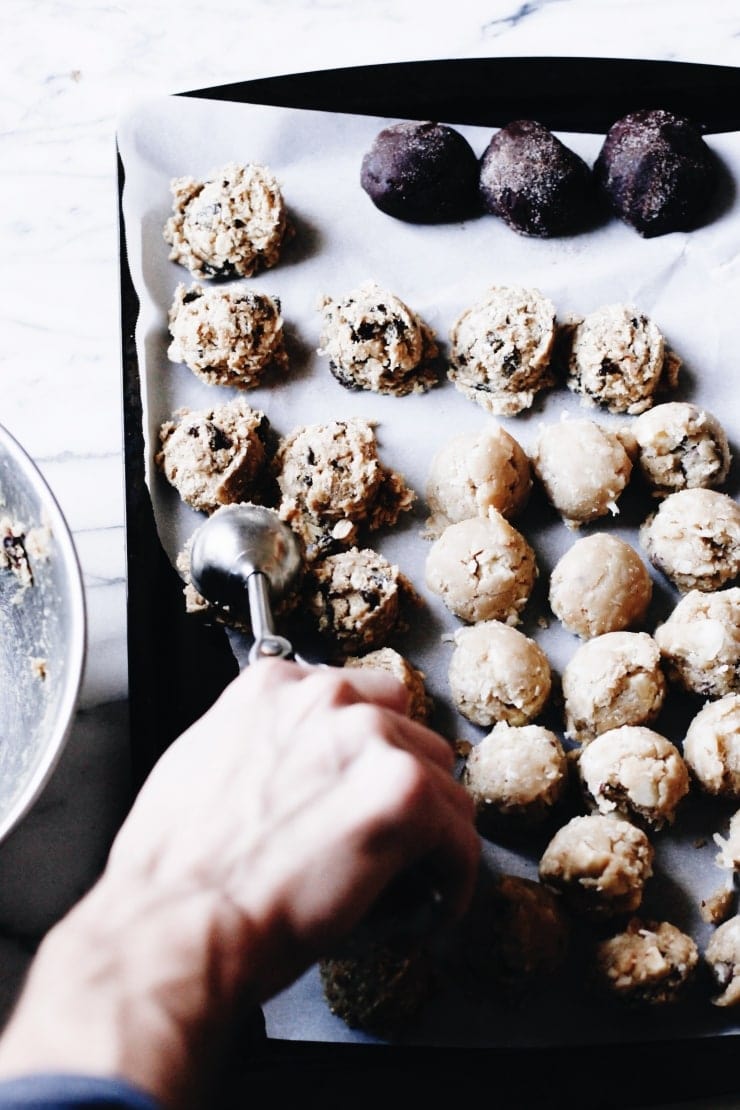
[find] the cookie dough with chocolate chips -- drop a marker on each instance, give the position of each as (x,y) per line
(355,599)
(650,963)
(700,643)
(497,673)
(694,539)
(516,774)
(392,662)
(600,585)
(722,955)
(711,747)
(681,446)
(584,468)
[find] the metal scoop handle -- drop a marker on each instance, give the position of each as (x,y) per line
(267,644)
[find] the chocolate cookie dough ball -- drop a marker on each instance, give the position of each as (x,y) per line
(711,747)
(475,472)
(501,348)
(700,643)
(516,774)
(378,988)
(618,359)
(483,569)
(215,456)
(681,446)
(635,772)
(599,865)
(355,598)
(375,342)
(392,662)
(226,336)
(722,955)
(497,673)
(600,585)
(534,182)
(657,172)
(615,679)
(650,963)
(694,539)
(421,172)
(231,225)
(584,468)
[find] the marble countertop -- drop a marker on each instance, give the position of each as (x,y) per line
(69,70)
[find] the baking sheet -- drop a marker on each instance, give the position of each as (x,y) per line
(688,283)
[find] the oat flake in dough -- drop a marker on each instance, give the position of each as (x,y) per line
(600,585)
(355,599)
(584,468)
(694,539)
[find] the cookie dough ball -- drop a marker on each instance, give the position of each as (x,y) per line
(534,182)
(657,172)
(599,864)
(650,963)
(694,539)
(231,225)
(375,342)
(497,673)
(583,466)
(501,348)
(618,360)
(681,446)
(516,773)
(392,662)
(700,643)
(379,988)
(483,569)
(421,172)
(729,846)
(615,679)
(636,773)
(600,585)
(332,483)
(475,472)
(722,955)
(226,336)
(355,599)
(711,747)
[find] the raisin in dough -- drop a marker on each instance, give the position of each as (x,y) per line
(501,349)
(355,599)
(722,955)
(711,747)
(226,336)
(650,963)
(215,456)
(392,662)
(583,467)
(497,673)
(700,643)
(374,341)
(635,772)
(516,774)
(483,569)
(600,585)
(681,446)
(618,360)
(694,539)
(612,680)
(231,225)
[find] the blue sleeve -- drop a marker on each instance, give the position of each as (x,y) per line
(70,1092)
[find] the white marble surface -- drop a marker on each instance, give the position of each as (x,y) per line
(68,71)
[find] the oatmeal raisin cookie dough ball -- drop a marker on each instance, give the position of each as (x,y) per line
(722,955)
(497,673)
(374,341)
(483,569)
(650,963)
(599,864)
(636,773)
(600,585)
(711,747)
(612,680)
(583,466)
(501,349)
(392,662)
(694,539)
(681,446)
(517,773)
(226,336)
(700,643)
(231,225)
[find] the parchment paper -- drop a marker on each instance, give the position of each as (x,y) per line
(688,283)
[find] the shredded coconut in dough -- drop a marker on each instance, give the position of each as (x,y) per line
(648,964)
(694,539)
(583,467)
(681,446)
(711,747)
(600,585)
(392,662)
(517,773)
(497,673)
(700,642)
(723,957)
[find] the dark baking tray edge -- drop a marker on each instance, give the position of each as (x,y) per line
(173,678)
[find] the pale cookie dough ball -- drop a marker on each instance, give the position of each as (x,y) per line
(475,472)
(501,349)
(600,585)
(694,539)
(648,964)
(332,483)
(681,446)
(355,599)
(700,643)
(392,662)
(615,679)
(711,747)
(226,336)
(215,456)
(516,773)
(483,569)
(374,341)
(722,955)
(618,359)
(636,773)
(729,846)
(583,466)
(599,864)
(497,673)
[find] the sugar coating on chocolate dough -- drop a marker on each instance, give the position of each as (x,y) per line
(694,539)
(583,467)
(700,642)
(600,585)
(496,673)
